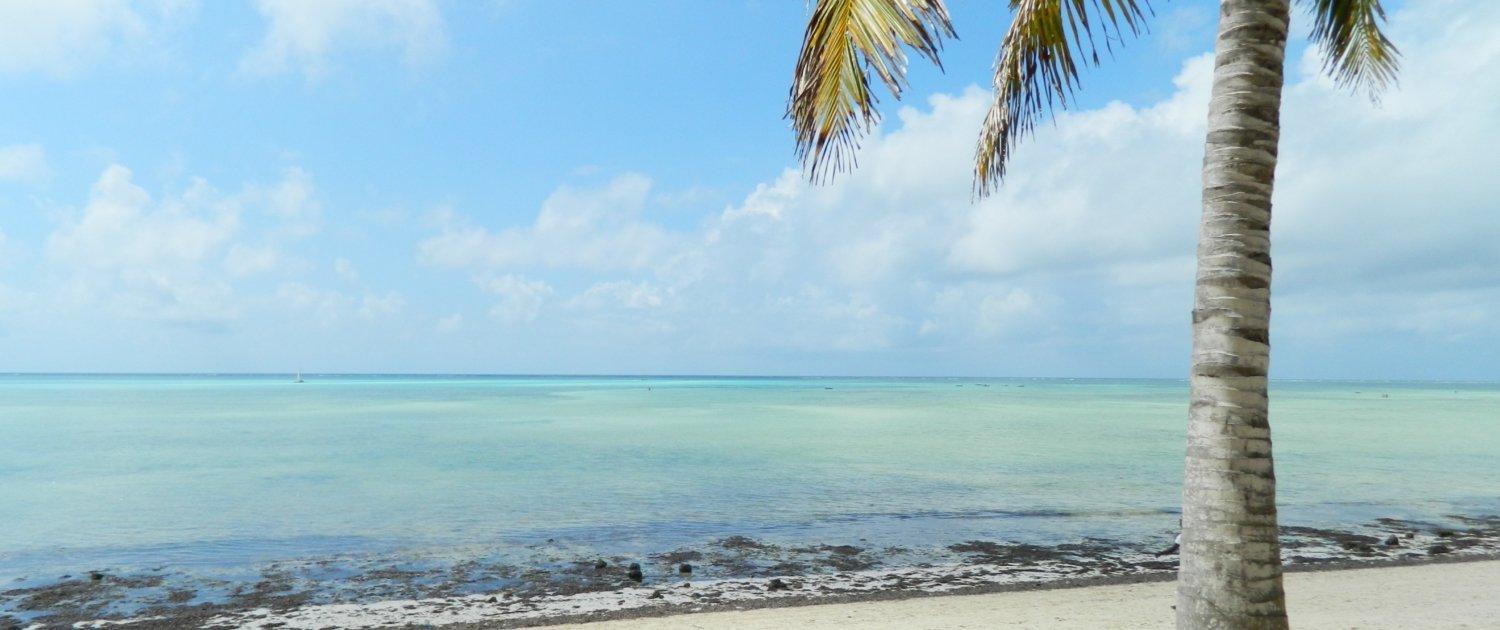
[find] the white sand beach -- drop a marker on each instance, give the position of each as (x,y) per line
(1432,596)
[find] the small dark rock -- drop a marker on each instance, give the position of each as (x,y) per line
(1409,536)
(777,585)
(493,600)
(1438,549)
(1443,533)
(635,572)
(1392,541)
(685,568)
(600,565)
(656,594)
(96,576)
(741,542)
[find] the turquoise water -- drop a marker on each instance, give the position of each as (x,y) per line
(133,472)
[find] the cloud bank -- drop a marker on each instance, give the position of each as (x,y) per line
(1081,263)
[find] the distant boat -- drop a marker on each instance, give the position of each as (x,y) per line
(299,376)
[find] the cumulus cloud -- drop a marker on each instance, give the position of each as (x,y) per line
(374,306)
(179,259)
(599,229)
(121,227)
(1083,260)
(148,258)
(302,36)
(293,201)
(23,163)
(59,37)
(331,309)
(615,295)
(518,300)
(245,260)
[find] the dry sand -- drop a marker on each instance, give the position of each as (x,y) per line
(1430,596)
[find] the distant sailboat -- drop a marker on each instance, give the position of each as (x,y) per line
(299,376)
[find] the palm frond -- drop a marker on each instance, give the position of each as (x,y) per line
(1355,52)
(831,104)
(1036,69)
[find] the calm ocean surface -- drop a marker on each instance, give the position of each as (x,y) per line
(225,472)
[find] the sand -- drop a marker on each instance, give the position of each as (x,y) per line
(1430,596)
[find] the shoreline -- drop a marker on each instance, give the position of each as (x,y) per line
(1434,593)
(1066,584)
(760,576)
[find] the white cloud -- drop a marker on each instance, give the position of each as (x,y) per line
(346,270)
(614,295)
(23,163)
(450,324)
(1085,252)
(52,36)
(121,227)
(179,259)
(293,200)
(374,306)
(243,260)
(520,300)
(331,309)
(302,36)
(147,258)
(588,229)
(60,37)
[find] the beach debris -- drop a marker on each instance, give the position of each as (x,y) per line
(685,568)
(656,594)
(635,572)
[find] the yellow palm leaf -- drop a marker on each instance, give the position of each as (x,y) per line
(831,104)
(1037,69)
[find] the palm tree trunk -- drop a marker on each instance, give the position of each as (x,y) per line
(1230,575)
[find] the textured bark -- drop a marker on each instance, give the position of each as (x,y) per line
(1230,575)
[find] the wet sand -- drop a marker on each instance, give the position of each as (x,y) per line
(1430,596)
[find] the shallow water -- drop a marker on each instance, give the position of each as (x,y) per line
(226,473)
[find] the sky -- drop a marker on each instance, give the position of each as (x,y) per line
(592,187)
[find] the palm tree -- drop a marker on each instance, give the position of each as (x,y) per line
(1230,573)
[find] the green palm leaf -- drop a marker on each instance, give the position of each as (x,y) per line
(831,104)
(1037,69)
(1356,53)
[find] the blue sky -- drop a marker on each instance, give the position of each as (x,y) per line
(518,186)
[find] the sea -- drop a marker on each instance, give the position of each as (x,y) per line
(223,475)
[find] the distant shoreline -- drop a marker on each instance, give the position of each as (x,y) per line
(728,377)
